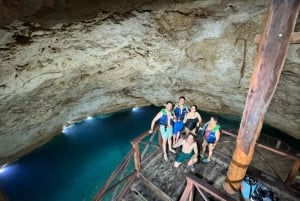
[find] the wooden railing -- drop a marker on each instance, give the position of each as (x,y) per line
(195,182)
(192,181)
(295,168)
(135,145)
(134,153)
(107,186)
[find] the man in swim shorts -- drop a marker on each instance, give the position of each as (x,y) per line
(189,152)
(165,118)
(180,111)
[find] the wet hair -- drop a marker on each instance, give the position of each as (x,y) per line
(215,118)
(167,102)
(195,107)
(181,97)
(194,137)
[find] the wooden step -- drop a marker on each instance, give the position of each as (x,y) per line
(147,191)
(134,196)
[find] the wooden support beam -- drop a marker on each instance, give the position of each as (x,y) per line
(137,157)
(293,173)
(295,38)
(272,51)
(187,191)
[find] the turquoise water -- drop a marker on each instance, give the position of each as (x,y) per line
(75,165)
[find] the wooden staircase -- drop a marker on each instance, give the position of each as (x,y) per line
(144,190)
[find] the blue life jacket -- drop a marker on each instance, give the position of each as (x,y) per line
(164,118)
(211,138)
(180,114)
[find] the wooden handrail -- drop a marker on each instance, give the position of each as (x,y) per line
(113,176)
(294,170)
(130,180)
(267,147)
(136,150)
(293,173)
(145,134)
(193,181)
(136,155)
(137,160)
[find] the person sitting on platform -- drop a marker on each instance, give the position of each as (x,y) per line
(210,138)
(188,152)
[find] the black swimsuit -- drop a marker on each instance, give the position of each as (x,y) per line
(191,123)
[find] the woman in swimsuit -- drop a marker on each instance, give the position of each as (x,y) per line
(210,138)
(192,120)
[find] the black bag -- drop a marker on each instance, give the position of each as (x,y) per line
(252,190)
(262,193)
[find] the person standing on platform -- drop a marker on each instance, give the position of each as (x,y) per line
(165,118)
(180,111)
(211,137)
(192,121)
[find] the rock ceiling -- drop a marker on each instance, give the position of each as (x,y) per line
(64,60)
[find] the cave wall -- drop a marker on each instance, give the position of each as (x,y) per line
(62,61)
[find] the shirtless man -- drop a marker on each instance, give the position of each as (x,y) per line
(189,152)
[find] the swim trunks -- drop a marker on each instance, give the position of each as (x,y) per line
(181,157)
(166,131)
(178,127)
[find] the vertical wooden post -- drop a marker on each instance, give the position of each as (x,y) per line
(191,197)
(293,173)
(187,191)
(137,157)
(280,23)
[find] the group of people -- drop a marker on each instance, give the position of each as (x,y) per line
(174,121)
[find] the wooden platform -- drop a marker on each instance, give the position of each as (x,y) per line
(159,180)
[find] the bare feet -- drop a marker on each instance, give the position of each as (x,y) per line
(165,157)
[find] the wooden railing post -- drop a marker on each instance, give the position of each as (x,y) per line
(187,191)
(272,51)
(293,173)
(137,157)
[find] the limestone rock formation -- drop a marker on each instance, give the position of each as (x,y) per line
(65,60)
